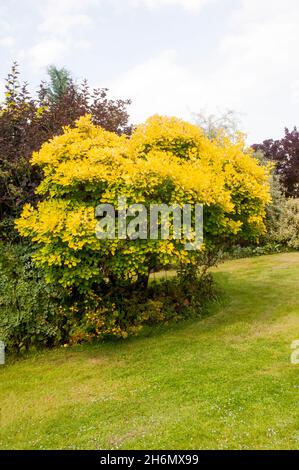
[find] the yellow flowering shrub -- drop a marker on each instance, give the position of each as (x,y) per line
(166,160)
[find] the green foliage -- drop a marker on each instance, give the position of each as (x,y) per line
(285,227)
(281,220)
(29,313)
(282,217)
(60,81)
(266,248)
(121,313)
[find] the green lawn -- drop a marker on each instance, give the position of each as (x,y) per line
(224,382)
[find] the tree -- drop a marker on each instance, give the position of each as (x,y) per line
(60,81)
(26,122)
(212,124)
(18,138)
(285,154)
(166,161)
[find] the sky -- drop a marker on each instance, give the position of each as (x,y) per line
(172,57)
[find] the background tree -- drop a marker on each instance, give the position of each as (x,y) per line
(212,123)
(60,81)
(285,154)
(26,122)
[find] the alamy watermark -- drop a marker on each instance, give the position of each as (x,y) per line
(2,353)
(158,221)
(295,353)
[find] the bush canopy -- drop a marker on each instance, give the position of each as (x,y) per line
(165,161)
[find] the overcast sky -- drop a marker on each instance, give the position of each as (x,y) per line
(170,57)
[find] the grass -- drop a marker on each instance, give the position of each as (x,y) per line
(222,382)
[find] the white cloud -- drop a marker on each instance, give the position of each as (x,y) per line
(56,7)
(46,52)
(159,85)
(7,41)
(7,38)
(259,64)
(62,25)
(254,70)
(60,17)
(61,29)
(295,91)
(186,4)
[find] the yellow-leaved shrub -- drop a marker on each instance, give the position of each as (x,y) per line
(166,160)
